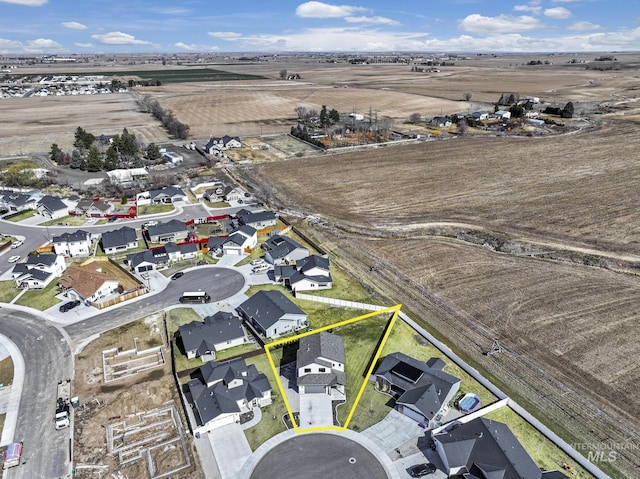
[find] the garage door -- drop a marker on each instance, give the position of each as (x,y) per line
(315,389)
(144,268)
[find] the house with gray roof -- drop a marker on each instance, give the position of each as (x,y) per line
(280,249)
(214,245)
(182,251)
(78,243)
(422,390)
(215,333)
(52,207)
(258,219)
(486,449)
(38,270)
(173,230)
(320,364)
(308,274)
(119,240)
(222,143)
(220,392)
(271,314)
(148,260)
(14,201)
(241,239)
(167,195)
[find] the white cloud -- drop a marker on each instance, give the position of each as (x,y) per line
(119,38)
(229,36)
(83,45)
(372,20)
(28,3)
(74,25)
(194,47)
(476,23)
(39,45)
(559,13)
(534,9)
(584,26)
(325,10)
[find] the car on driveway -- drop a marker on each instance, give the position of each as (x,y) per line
(421,470)
(257,262)
(69,306)
(202,263)
(112,219)
(14,259)
(17,244)
(177,275)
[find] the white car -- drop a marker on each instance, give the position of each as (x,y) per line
(257,262)
(17,244)
(261,268)
(14,259)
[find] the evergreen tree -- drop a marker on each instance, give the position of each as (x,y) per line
(55,153)
(76,160)
(94,162)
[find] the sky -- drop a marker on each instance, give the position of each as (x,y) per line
(258,26)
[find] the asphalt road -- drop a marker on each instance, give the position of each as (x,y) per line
(319,456)
(47,360)
(220,283)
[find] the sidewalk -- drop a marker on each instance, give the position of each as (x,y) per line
(10,399)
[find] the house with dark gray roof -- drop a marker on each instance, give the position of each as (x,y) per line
(222,143)
(308,274)
(38,270)
(119,240)
(271,314)
(182,251)
(220,392)
(214,245)
(215,333)
(168,194)
(486,449)
(173,230)
(52,207)
(241,239)
(148,260)
(280,249)
(258,219)
(320,364)
(14,201)
(73,244)
(422,390)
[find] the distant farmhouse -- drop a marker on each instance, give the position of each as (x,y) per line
(223,143)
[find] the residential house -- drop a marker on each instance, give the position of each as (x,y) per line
(440,122)
(173,157)
(223,143)
(422,391)
(482,448)
(87,282)
(232,193)
(245,237)
(173,230)
(93,207)
(181,252)
(272,314)
(148,260)
(312,273)
(480,115)
(128,177)
(220,392)
(52,207)
(280,249)
(14,202)
(215,193)
(167,195)
(73,244)
(215,244)
(502,114)
(38,270)
(320,364)
(119,240)
(215,333)
(258,220)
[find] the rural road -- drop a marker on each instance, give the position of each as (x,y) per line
(47,360)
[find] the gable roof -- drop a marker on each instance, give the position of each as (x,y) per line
(313,261)
(74,237)
(268,307)
(86,279)
(38,258)
(320,345)
(172,226)
(119,237)
(257,217)
(34,273)
(220,327)
(487,449)
(167,191)
(279,246)
(51,203)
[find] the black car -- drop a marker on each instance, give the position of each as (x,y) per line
(112,219)
(201,263)
(420,470)
(177,275)
(69,306)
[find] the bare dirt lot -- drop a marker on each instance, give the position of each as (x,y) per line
(132,426)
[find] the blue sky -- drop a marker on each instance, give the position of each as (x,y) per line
(103,26)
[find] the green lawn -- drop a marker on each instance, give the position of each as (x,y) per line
(217,204)
(66,220)
(543,452)
(23,215)
(8,291)
(6,372)
(154,209)
(40,299)
(267,427)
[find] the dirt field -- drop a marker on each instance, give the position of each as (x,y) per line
(142,408)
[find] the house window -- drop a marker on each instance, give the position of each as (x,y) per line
(322,370)
(307,370)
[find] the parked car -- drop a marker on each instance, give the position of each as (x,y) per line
(112,219)
(202,263)
(420,470)
(69,306)
(257,262)
(14,259)
(17,244)
(177,275)
(261,268)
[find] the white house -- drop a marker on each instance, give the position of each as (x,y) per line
(272,314)
(52,207)
(127,177)
(502,114)
(280,249)
(223,143)
(215,333)
(320,364)
(119,240)
(181,252)
(240,240)
(38,270)
(73,244)
(172,157)
(87,282)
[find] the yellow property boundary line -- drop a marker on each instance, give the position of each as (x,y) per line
(395,309)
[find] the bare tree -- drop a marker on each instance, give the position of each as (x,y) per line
(283,74)
(414,117)
(467,95)
(301,112)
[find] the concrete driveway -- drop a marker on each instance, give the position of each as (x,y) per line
(402,465)
(315,410)
(394,430)
(231,449)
